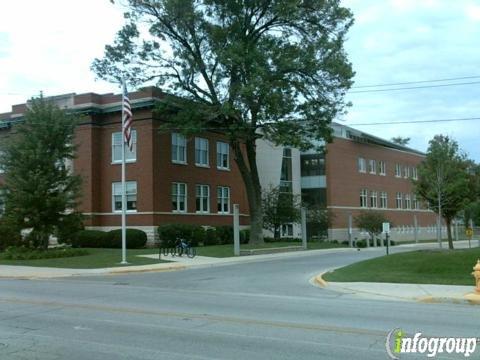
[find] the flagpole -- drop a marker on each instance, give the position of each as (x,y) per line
(124,185)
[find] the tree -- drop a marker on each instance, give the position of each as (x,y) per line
(41,191)
(443,180)
(371,222)
(319,219)
(401,140)
(279,208)
(253,69)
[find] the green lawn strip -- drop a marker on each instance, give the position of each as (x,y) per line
(418,267)
(227,250)
(98,258)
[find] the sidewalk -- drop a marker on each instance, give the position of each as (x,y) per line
(177,263)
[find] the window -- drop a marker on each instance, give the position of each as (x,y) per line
(2,202)
(398,170)
(130,156)
(179,148)
(373,199)
(131,195)
(202,198)
(363,198)
(312,165)
(286,171)
(223,200)
(382,168)
(362,165)
(416,204)
(223,161)
(179,197)
(287,230)
(406,172)
(414,173)
(201,152)
(383,200)
(372,166)
(408,204)
(399,200)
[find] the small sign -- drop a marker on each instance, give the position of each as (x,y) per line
(469,232)
(386,228)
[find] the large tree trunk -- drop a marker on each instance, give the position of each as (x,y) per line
(252,186)
(449,233)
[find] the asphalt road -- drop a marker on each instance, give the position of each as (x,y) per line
(261,310)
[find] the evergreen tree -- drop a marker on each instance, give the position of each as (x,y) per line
(41,191)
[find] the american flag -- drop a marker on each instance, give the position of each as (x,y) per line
(127,119)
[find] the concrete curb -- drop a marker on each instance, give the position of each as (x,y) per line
(469,298)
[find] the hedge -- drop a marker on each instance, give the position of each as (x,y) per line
(8,236)
(136,239)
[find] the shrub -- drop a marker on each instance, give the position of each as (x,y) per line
(244,236)
(23,253)
(68,227)
(169,233)
(91,239)
(136,239)
(224,234)
(210,237)
(9,236)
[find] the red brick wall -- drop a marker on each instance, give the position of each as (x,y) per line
(344,181)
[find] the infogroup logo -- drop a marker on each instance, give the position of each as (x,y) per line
(398,343)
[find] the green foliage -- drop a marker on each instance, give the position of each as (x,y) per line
(319,219)
(136,239)
(244,236)
(371,222)
(68,227)
(279,208)
(443,179)
(169,233)
(91,239)
(9,235)
(24,253)
(284,239)
(224,234)
(401,140)
(40,187)
(279,65)
(210,237)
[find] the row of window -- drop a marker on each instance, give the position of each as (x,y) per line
(379,199)
(179,150)
(380,167)
(178,195)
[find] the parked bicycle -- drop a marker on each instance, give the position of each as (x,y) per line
(182,247)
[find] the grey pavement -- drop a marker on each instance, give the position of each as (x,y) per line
(257,310)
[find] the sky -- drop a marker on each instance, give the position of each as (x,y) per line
(51,46)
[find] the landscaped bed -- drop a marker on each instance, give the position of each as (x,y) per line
(447,267)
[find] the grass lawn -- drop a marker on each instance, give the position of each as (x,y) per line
(98,258)
(227,250)
(447,267)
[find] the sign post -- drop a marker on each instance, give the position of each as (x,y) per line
(469,233)
(386,231)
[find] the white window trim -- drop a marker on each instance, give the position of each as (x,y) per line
(372,166)
(113,197)
(364,195)
(362,165)
(208,199)
(374,197)
(127,161)
(219,167)
(207,165)
(185,152)
(228,202)
(382,169)
(399,173)
(186,199)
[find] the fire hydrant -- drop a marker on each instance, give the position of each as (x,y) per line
(476,274)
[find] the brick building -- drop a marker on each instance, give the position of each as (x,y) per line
(361,172)
(170,178)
